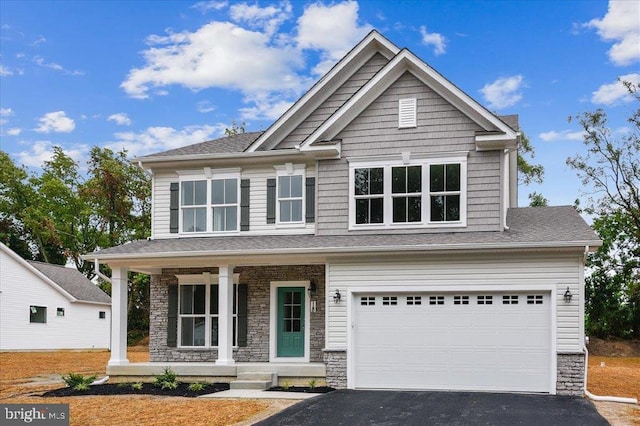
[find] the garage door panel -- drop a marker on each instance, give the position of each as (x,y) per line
(471,345)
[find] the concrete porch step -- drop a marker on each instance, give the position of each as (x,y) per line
(250,384)
(254,380)
(256,376)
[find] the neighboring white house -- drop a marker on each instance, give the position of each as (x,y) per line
(44,306)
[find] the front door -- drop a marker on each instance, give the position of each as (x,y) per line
(291,325)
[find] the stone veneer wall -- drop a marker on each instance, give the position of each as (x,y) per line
(336,362)
(570,378)
(259,281)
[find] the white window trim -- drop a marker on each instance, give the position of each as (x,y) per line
(290,169)
(207,174)
(405,160)
(208,280)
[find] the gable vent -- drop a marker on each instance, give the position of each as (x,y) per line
(407,112)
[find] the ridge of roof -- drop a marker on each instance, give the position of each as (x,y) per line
(226,144)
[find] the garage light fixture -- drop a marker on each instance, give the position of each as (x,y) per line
(568,295)
(337,296)
(313,288)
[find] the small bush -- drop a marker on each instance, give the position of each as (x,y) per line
(312,383)
(196,387)
(122,385)
(286,386)
(74,380)
(167,380)
(136,386)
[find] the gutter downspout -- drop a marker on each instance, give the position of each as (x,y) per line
(586,370)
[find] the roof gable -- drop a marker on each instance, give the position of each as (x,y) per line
(373,43)
(497,131)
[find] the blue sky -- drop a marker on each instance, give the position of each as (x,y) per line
(154,75)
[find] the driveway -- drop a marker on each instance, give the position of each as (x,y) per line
(350,407)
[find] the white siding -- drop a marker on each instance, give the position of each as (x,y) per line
(476,272)
(79,328)
(257,211)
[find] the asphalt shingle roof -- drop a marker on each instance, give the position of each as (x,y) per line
(227,144)
(72,281)
(539,226)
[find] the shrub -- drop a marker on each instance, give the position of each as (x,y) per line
(136,386)
(196,387)
(167,380)
(78,381)
(312,384)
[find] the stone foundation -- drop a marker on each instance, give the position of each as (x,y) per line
(570,379)
(336,364)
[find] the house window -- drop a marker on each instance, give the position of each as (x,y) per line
(406,190)
(444,192)
(290,199)
(369,195)
(199,315)
(102,315)
(60,312)
(193,203)
(224,202)
(38,314)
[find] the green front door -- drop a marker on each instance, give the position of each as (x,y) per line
(290,322)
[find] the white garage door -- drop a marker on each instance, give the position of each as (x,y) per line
(465,341)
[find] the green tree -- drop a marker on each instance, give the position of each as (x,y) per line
(611,167)
(528,172)
(235,128)
(537,200)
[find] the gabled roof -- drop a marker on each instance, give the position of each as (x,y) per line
(69,282)
(406,61)
(529,228)
(373,43)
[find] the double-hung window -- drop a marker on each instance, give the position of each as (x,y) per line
(290,198)
(193,203)
(199,315)
(402,192)
(209,203)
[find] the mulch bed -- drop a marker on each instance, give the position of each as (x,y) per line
(147,389)
(302,389)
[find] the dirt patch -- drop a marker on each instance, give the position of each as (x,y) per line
(600,347)
(614,376)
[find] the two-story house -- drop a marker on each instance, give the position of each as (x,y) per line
(370,237)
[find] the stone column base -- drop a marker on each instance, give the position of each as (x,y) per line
(570,379)
(336,362)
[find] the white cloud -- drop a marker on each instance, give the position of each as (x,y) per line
(209,57)
(332,29)
(5,72)
(14,131)
(563,135)
(204,107)
(39,60)
(38,41)
(121,119)
(267,18)
(6,112)
(264,107)
(612,93)
(438,41)
(504,92)
(621,24)
(41,151)
(157,139)
(55,122)
(206,6)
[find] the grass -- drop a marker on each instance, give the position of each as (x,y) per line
(17,386)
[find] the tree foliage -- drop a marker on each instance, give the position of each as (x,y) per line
(611,167)
(528,172)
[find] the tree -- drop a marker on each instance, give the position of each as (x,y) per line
(235,128)
(611,167)
(537,200)
(527,171)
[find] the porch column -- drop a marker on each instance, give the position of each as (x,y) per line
(225,315)
(119,317)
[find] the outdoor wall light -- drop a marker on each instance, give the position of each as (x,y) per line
(313,288)
(568,295)
(337,296)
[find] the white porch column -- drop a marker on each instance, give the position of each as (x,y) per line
(119,317)
(225,315)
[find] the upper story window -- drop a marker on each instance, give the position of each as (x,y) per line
(209,204)
(397,193)
(290,198)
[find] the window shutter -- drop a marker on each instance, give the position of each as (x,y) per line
(244,204)
(243,296)
(271,201)
(407,112)
(174,207)
(172,317)
(310,200)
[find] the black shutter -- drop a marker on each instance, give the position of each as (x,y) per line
(243,295)
(310,200)
(271,201)
(244,204)
(172,317)
(174,207)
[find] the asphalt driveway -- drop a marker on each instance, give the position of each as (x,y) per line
(350,407)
